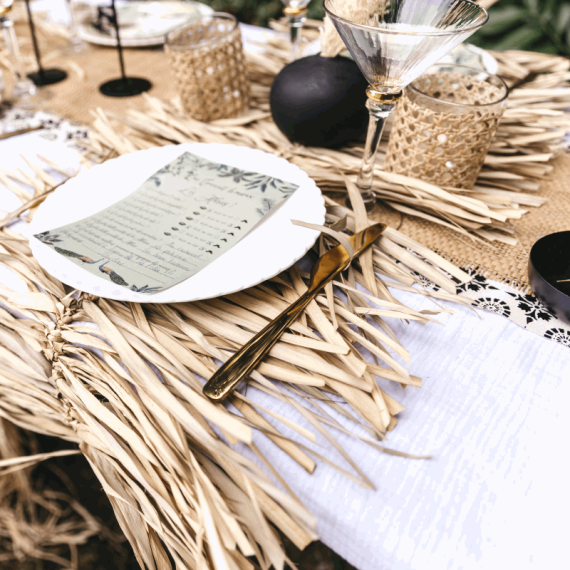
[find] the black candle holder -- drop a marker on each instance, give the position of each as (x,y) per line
(42,76)
(123,86)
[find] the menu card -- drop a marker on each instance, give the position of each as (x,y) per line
(181,219)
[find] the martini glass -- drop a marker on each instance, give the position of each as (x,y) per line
(393,42)
(296,11)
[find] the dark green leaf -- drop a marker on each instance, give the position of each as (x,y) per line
(532,5)
(524,38)
(547,9)
(504,19)
(562,20)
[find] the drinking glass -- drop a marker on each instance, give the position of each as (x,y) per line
(206,55)
(445,124)
(296,11)
(393,42)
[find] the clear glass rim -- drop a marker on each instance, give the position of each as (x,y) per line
(411,33)
(412,87)
(215,15)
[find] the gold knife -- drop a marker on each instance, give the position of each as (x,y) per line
(325,270)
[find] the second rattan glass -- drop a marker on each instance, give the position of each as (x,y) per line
(207,58)
(444,125)
(393,42)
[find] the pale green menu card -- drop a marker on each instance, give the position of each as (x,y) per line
(181,219)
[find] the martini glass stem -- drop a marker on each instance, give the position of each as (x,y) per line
(380,106)
(22,85)
(297,18)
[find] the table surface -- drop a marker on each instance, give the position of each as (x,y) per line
(493,413)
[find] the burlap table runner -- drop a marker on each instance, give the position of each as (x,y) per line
(75,97)
(501,262)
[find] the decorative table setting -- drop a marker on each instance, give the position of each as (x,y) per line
(290,292)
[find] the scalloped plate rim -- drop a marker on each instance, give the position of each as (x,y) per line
(307,204)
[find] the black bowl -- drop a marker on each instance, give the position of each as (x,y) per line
(549,263)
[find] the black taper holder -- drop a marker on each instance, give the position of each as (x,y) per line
(124,86)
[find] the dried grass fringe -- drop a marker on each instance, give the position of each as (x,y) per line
(176,484)
(167,457)
(37,523)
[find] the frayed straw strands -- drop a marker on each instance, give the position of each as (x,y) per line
(37,523)
(123,380)
(133,399)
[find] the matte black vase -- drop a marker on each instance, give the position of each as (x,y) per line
(320,101)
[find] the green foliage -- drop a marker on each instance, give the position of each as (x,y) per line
(259,12)
(534,25)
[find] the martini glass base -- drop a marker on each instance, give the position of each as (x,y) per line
(47,76)
(125,87)
(369,199)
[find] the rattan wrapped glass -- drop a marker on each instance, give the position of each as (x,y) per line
(444,125)
(207,58)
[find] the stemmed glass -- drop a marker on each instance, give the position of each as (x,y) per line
(23,89)
(393,42)
(77,45)
(296,11)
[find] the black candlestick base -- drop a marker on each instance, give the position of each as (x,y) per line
(125,87)
(47,76)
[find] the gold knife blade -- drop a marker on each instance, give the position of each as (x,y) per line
(324,270)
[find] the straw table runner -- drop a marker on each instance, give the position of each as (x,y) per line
(517,304)
(493,263)
(489,410)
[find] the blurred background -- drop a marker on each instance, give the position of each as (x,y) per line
(537,25)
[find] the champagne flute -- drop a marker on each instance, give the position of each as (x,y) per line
(393,42)
(296,11)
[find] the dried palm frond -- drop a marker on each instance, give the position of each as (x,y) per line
(133,400)
(36,523)
(164,454)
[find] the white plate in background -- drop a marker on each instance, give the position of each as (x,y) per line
(142,23)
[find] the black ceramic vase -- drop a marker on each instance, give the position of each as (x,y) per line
(320,101)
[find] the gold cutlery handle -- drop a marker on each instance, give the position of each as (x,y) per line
(248,357)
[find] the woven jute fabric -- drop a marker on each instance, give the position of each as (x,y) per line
(74,98)
(212,78)
(439,145)
(78,96)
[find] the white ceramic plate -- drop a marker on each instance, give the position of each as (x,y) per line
(274,245)
(143,23)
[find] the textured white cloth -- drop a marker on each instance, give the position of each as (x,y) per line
(493,411)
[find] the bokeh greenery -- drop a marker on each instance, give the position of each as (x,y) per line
(535,25)
(259,12)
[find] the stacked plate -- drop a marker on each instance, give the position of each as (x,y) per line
(141,22)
